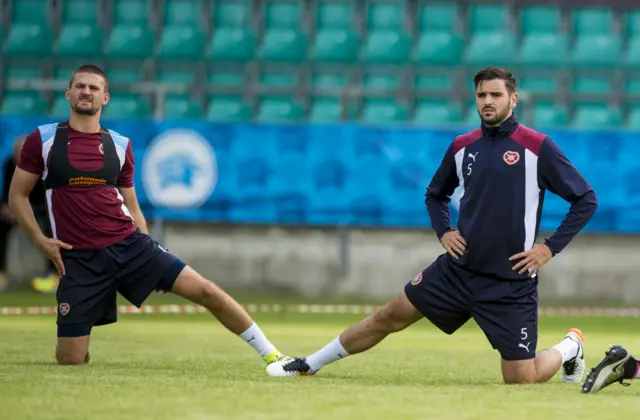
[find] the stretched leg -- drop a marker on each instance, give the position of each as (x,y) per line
(617,365)
(73,344)
(192,286)
(395,316)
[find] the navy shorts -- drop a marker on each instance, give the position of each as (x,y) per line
(134,267)
(506,311)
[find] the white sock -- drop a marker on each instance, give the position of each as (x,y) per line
(567,348)
(328,354)
(256,339)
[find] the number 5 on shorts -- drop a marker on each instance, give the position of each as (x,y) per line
(524,334)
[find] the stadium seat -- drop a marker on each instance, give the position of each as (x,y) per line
(182,13)
(182,42)
(325,83)
(632,87)
(549,115)
(597,50)
(544,50)
(335,45)
(592,20)
(539,85)
(540,20)
(23,103)
(435,113)
(632,53)
(175,76)
(225,79)
(278,79)
(15,71)
(181,107)
(438,48)
(60,107)
(276,109)
(231,14)
(592,85)
(81,12)
(29,39)
(130,41)
(386,46)
(384,83)
(383,111)
(491,48)
(594,116)
(488,17)
(631,21)
(283,45)
(331,14)
(437,16)
(232,44)
(328,110)
(127,106)
(228,109)
(132,12)
(633,118)
(31,11)
(121,75)
(79,40)
(283,14)
(385,15)
(433,82)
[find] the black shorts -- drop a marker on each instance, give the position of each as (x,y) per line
(134,267)
(506,311)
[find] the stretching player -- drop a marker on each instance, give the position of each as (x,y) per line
(100,241)
(617,365)
(489,272)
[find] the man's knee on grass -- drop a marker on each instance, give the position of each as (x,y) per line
(73,351)
(519,372)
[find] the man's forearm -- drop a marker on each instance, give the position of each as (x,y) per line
(139,220)
(23,212)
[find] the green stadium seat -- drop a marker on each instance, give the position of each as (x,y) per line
(632,22)
(226,79)
(544,49)
(549,115)
(132,12)
(26,39)
(182,13)
(433,82)
(278,80)
(283,14)
(592,20)
(233,44)
(488,17)
(491,48)
(234,14)
(335,45)
(60,107)
(81,12)
(175,76)
(386,47)
(632,87)
(596,117)
(63,72)
(130,41)
(381,82)
(632,53)
(383,111)
(471,117)
(284,45)
(386,15)
(334,15)
(275,109)
(31,11)
(20,72)
(120,75)
(182,42)
(435,113)
(633,119)
(541,20)
(228,109)
(79,40)
(436,17)
(328,110)
(23,103)
(127,106)
(539,85)
(329,82)
(181,107)
(438,48)
(597,50)
(592,85)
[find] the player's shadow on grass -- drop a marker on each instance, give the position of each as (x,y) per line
(402,380)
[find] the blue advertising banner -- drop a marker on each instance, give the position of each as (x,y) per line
(346,175)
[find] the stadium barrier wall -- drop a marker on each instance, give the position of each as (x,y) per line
(340,209)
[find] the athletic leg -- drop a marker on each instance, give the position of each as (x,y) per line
(147,267)
(430,295)
(617,365)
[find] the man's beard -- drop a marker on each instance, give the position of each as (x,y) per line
(497,118)
(86,111)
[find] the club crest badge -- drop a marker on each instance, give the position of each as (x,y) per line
(64,308)
(417,279)
(511,158)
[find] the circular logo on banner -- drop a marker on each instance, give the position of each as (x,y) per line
(179,170)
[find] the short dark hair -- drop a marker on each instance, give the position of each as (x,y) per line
(93,69)
(493,73)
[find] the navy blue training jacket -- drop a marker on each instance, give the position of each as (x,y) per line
(504,172)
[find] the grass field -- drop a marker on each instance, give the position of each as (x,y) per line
(189,367)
